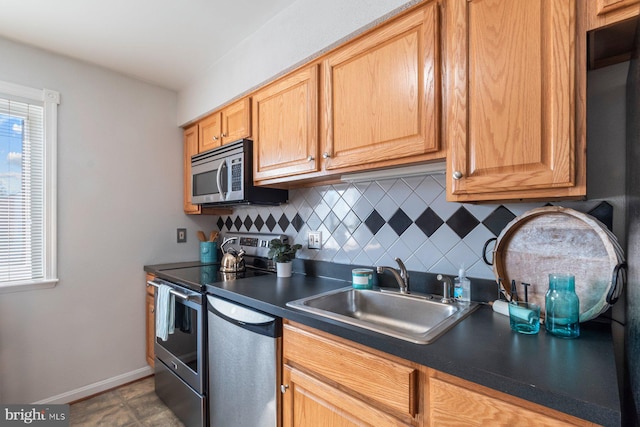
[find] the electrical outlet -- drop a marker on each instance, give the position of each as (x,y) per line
(182,235)
(315,240)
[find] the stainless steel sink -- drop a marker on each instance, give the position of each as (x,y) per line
(416,318)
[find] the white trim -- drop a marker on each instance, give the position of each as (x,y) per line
(51,101)
(95,388)
(22,91)
(28,285)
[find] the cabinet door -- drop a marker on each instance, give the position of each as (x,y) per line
(602,13)
(151,322)
(151,330)
(310,402)
(285,126)
(236,121)
(510,101)
(190,148)
(210,132)
(605,7)
(383,93)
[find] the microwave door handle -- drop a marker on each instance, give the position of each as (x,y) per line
(219,179)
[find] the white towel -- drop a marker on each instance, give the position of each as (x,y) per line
(165,309)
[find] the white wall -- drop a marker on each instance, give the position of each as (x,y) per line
(119,204)
(299,31)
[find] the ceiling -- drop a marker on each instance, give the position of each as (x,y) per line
(166,42)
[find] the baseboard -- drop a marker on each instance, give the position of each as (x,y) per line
(95,388)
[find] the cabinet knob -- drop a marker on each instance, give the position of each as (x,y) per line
(215,138)
(457,175)
(310,159)
(283,388)
(223,135)
(325,155)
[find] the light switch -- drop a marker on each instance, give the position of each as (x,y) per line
(182,235)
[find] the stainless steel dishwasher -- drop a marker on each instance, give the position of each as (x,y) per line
(244,365)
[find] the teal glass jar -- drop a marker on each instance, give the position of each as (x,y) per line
(562,307)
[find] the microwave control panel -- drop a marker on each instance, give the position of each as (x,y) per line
(236,174)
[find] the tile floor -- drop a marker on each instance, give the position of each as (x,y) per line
(135,404)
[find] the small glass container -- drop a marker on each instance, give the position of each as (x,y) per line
(562,307)
(362,278)
(524,317)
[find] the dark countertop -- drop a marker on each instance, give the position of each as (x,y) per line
(577,377)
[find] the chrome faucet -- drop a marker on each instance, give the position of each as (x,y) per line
(446,289)
(402,278)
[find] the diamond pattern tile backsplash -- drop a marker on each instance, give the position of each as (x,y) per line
(372,223)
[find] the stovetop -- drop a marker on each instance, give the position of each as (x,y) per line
(197,276)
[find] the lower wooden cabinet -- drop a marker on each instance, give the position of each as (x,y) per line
(330,381)
(456,402)
(151,321)
(310,402)
(334,382)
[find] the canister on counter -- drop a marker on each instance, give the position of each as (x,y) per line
(362,278)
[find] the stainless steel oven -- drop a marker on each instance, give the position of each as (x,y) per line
(181,371)
(180,377)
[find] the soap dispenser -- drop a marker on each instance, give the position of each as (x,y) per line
(462,286)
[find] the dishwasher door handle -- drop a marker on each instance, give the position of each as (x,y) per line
(244,317)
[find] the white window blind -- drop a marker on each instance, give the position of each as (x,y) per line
(27,187)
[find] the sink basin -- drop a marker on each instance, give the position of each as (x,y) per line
(416,318)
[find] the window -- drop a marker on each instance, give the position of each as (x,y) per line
(28,128)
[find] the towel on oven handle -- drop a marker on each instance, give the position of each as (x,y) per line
(165,309)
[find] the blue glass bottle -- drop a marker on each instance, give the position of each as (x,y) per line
(562,307)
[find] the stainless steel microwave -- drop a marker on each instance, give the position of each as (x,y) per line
(224,176)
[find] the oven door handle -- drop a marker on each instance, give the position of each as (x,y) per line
(176,293)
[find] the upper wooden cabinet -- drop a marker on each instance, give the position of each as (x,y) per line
(379,97)
(513,102)
(285,126)
(601,13)
(227,125)
(190,148)
(382,94)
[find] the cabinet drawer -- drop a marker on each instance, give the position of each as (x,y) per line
(376,379)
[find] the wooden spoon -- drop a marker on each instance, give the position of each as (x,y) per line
(201,236)
(213,236)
